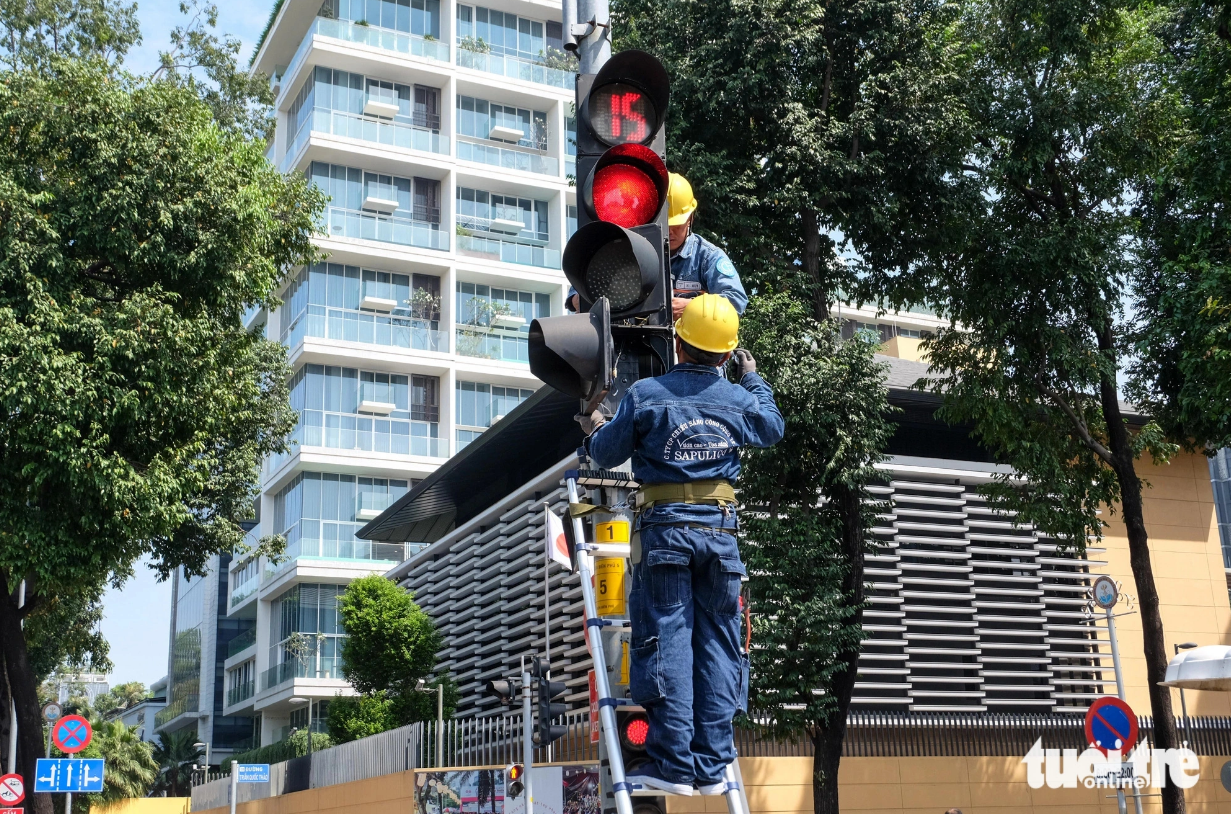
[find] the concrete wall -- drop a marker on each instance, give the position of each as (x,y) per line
(145,805)
(388,794)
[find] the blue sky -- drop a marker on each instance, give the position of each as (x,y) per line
(137,617)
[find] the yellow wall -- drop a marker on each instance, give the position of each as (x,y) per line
(389,794)
(904,347)
(1188,571)
(146,805)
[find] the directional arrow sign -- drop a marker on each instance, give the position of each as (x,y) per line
(12,789)
(71,734)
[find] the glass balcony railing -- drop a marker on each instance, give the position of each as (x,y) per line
(492,343)
(243,641)
(505,157)
(525,254)
(367,128)
(385,228)
(351,431)
(186,703)
(384,38)
(240,692)
(515,68)
(368,327)
(335,540)
(324,667)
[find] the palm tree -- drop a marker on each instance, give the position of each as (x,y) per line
(131,768)
(175,753)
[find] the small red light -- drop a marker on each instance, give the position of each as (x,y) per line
(515,771)
(636,731)
(624,195)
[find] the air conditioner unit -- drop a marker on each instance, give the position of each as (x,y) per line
(376,106)
(508,321)
(378,204)
(367,514)
(376,407)
(503,133)
(377,303)
(506,226)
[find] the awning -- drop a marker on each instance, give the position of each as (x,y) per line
(1202,668)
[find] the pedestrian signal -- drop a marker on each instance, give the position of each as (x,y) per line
(514,780)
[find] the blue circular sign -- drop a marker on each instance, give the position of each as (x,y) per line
(1111,725)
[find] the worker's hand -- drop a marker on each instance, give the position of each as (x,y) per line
(574,303)
(744,363)
(590,423)
(678,304)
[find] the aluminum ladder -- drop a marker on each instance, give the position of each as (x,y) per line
(623,791)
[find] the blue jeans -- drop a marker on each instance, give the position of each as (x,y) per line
(687,668)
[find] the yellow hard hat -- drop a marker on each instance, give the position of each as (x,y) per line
(709,323)
(680,202)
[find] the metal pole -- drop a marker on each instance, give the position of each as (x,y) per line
(1115,663)
(21,602)
(594,49)
(547,609)
(309,733)
(234,785)
(68,798)
(440,722)
(527,737)
(568,17)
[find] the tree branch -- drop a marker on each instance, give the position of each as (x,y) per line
(1079,425)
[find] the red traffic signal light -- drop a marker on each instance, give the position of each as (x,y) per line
(628,186)
(634,730)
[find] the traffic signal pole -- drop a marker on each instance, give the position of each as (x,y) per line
(593,33)
(527,717)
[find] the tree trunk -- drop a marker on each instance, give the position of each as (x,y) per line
(812,263)
(827,740)
(1166,735)
(25,693)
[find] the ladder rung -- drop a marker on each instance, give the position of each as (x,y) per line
(608,549)
(600,477)
(607,623)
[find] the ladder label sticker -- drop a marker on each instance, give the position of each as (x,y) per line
(594,717)
(624,664)
(609,586)
(613,531)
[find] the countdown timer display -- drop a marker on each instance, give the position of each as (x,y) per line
(622,114)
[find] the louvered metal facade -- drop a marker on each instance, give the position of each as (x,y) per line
(968,611)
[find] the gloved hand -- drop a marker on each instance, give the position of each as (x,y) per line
(744,363)
(590,423)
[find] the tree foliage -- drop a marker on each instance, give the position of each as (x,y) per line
(36,34)
(130,769)
(175,754)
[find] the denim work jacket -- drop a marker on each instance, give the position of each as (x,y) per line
(688,425)
(701,267)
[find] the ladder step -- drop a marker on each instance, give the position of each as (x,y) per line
(608,549)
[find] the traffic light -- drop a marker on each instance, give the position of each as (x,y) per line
(633,727)
(618,259)
(573,353)
(619,250)
(503,690)
(514,780)
(546,732)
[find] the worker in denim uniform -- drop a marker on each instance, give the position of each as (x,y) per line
(683,431)
(697,266)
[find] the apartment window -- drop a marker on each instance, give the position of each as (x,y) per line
(248,570)
(307,632)
(477,117)
(326,301)
(571,217)
(241,676)
(476,209)
(319,512)
(504,33)
(421,17)
(493,322)
(354,189)
(479,405)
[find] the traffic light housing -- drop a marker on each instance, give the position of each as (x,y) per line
(545,731)
(573,353)
(514,780)
(633,726)
(618,260)
(502,689)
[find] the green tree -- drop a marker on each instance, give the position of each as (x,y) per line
(1182,345)
(805,551)
(390,646)
(119,698)
(1072,113)
(136,408)
(175,754)
(131,767)
(37,33)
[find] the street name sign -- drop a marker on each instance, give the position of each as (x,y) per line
(253,772)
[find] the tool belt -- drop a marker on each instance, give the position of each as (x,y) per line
(711,492)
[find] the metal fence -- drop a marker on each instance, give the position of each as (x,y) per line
(497,741)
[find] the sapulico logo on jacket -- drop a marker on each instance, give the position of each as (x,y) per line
(701,439)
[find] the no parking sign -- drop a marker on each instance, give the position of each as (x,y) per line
(1111,725)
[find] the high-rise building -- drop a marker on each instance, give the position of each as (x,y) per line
(440,132)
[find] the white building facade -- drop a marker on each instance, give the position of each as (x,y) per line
(440,132)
